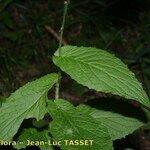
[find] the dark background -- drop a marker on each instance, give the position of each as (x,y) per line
(27,45)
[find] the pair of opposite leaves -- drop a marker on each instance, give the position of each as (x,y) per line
(91,67)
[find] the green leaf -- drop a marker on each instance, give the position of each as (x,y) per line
(28,101)
(100,70)
(69,124)
(118,125)
(40,138)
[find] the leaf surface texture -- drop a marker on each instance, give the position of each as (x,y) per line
(118,125)
(100,70)
(69,124)
(28,101)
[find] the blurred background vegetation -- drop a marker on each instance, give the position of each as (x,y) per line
(28,30)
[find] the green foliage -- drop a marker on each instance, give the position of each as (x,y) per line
(27,102)
(69,124)
(24,34)
(100,70)
(118,125)
(94,68)
(34,135)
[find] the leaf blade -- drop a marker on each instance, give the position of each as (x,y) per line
(27,102)
(36,136)
(100,70)
(68,124)
(117,124)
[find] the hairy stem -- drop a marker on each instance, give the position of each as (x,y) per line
(59,48)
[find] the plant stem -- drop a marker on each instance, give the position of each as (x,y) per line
(57,90)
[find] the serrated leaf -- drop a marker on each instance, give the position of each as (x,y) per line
(118,125)
(69,124)
(100,70)
(28,101)
(40,138)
